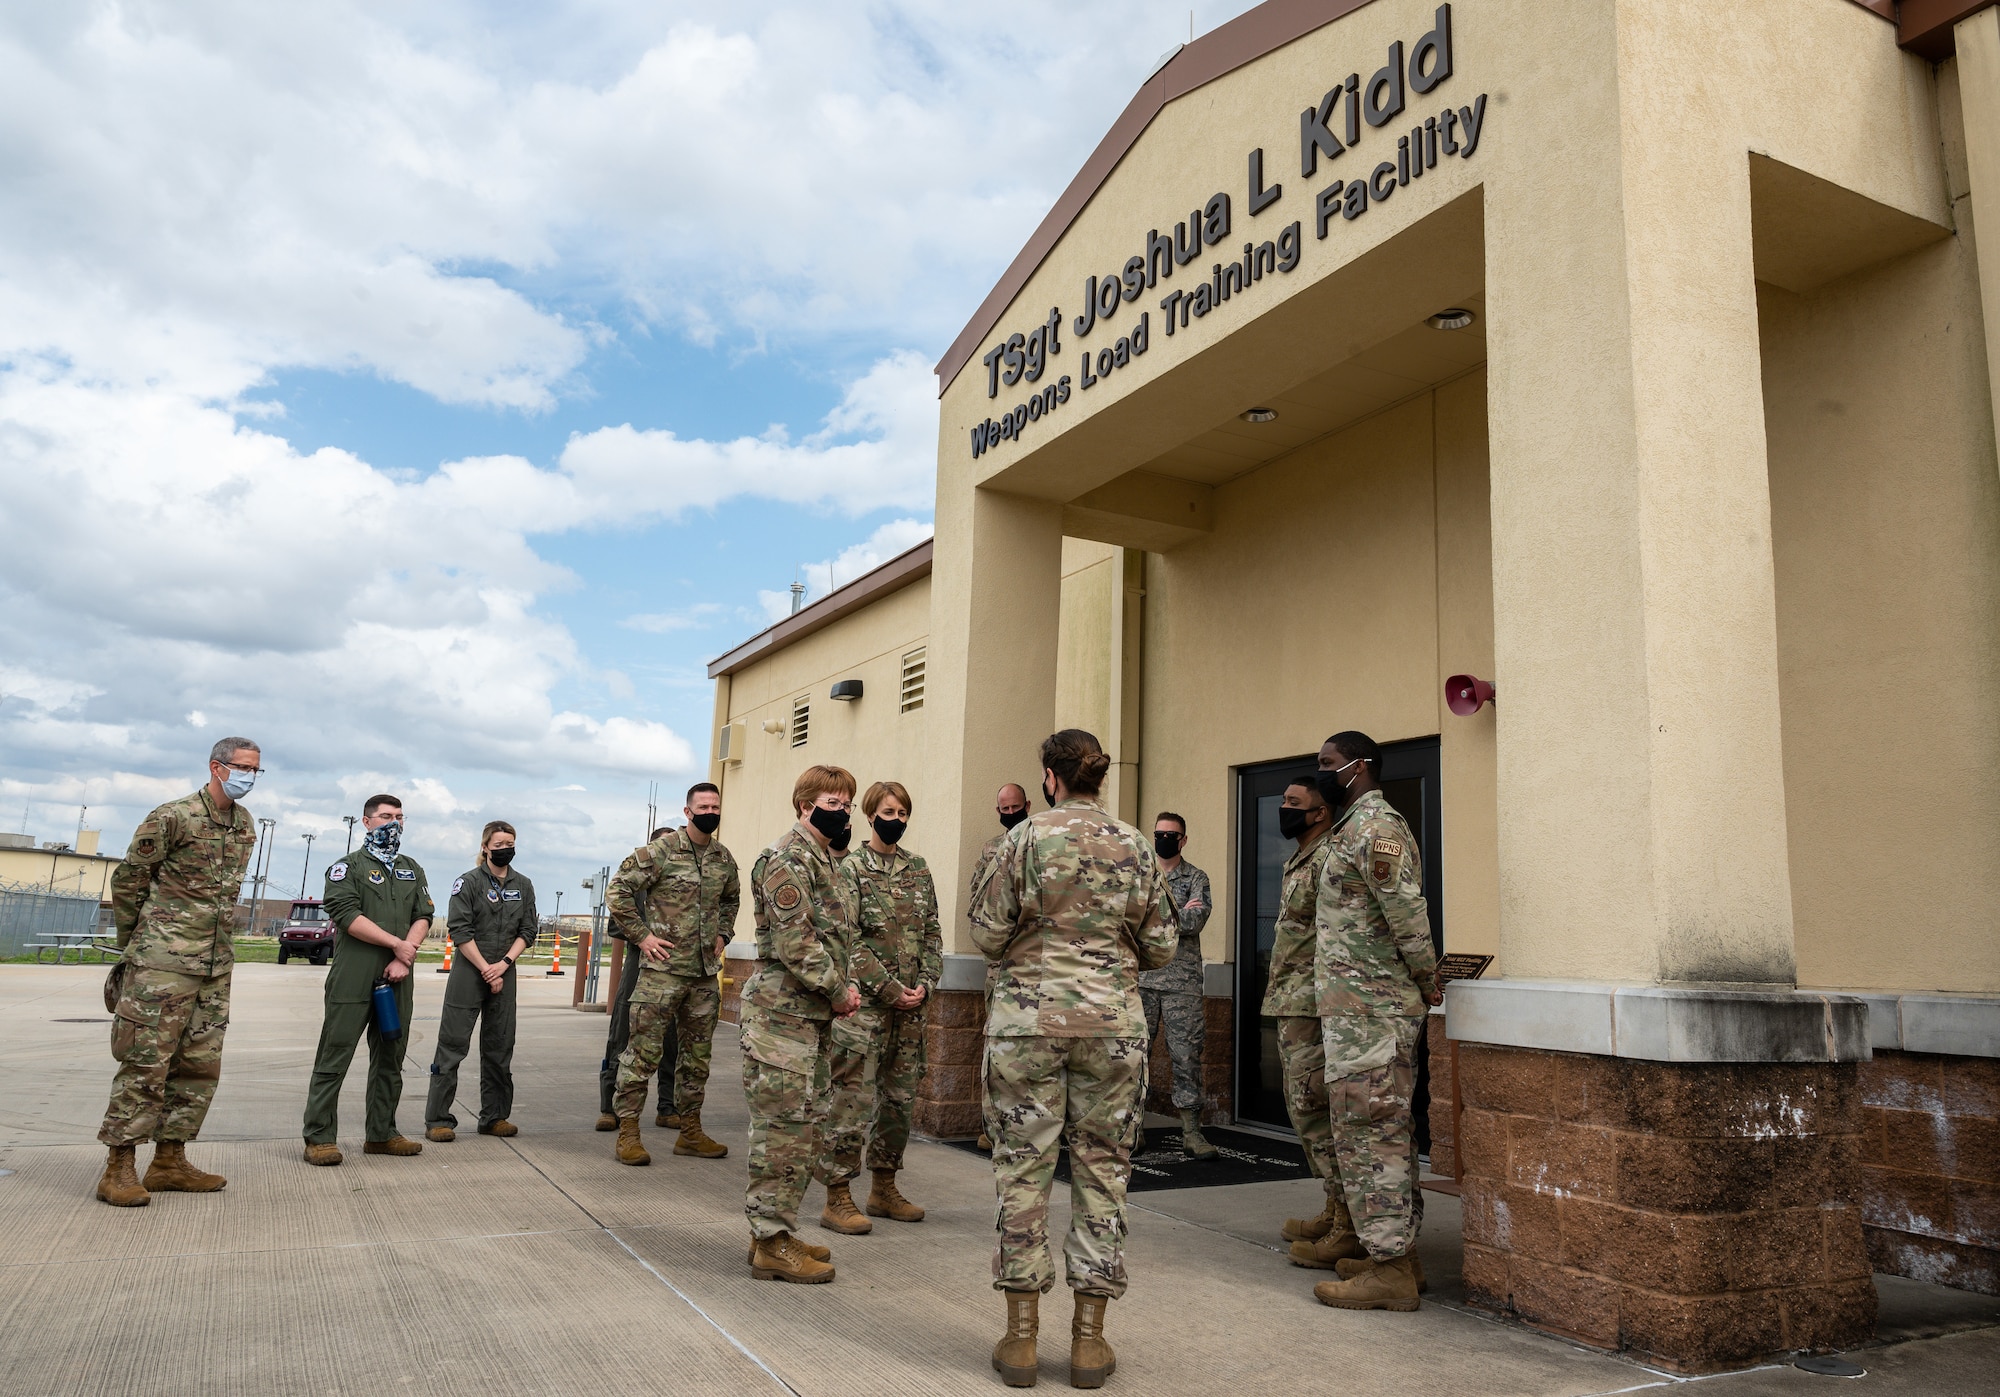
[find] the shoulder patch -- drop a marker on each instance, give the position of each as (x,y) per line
(336,873)
(1392,847)
(788,897)
(1382,870)
(456,885)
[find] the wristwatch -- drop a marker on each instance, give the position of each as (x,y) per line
(508,959)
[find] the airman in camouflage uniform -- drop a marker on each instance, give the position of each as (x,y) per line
(1010,803)
(618,1032)
(1174,992)
(173,899)
(1375,968)
(807,912)
(1071,911)
(1291,998)
(683,890)
(876,1056)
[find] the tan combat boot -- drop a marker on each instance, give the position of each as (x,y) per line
(323,1154)
(885,1200)
(1351,1268)
(607,1121)
(170,1171)
(1091,1360)
(629,1150)
(501,1128)
(1193,1142)
(1332,1218)
(1328,1251)
(668,1120)
(441,1134)
(816,1252)
(120,1186)
(985,1142)
(840,1214)
(1014,1355)
(1383,1285)
(783,1258)
(696,1141)
(395,1144)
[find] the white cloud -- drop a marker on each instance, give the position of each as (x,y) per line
(896,536)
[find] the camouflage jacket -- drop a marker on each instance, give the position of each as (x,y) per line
(988,852)
(682,892)
(1289,992)
(1074,907)
(806,911)
(490,912)
(897,944)
(1373,953)
(174,896)
(395,896)
(1188,887)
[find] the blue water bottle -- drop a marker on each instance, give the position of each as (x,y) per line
(388,1019)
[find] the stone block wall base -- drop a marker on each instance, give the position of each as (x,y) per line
(1218,1061)
(954,1051)
(1930,1167)
(1700,1215)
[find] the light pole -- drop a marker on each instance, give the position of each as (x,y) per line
(308,837)
(260,872)
(350,831)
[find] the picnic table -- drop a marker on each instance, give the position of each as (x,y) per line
(78,941)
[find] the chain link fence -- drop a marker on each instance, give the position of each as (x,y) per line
(30,914)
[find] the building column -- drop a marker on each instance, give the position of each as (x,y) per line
(996,596)
(1978,40)
(1127,660)
(1657,1133)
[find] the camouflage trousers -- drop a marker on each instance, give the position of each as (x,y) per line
(663,1006)
(1369,1107)
(875,1060)
(167,1039)
(1043,1093)
(1187,1025)
(1302,1050)
(619,1032)
(784,1075)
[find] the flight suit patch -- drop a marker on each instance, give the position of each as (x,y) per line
(376,878)
(456,884)
(492,896)
(406,875)
(511,895)
(336,873)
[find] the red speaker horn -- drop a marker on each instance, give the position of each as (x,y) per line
(1465,695)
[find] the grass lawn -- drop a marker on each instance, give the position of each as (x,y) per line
(263,950)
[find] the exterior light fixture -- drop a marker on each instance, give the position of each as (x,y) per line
(845,690)
(1261,414)
(1451,318)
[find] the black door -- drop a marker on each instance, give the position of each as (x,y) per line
(1410,781)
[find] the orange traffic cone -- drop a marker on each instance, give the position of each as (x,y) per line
(555,959)
(445,969)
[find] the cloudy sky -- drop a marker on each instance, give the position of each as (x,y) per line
(429,391)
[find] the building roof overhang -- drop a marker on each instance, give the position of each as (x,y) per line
(1923,27)
(894,575)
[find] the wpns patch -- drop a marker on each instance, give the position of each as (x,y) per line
(336,873)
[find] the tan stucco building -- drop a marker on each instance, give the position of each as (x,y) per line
(1639,358)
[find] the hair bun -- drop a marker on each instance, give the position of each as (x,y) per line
(1096,764)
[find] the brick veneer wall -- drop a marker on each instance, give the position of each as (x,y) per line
(1930,1167)
(1700,1215)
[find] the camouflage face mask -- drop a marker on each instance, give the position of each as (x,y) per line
(385,840)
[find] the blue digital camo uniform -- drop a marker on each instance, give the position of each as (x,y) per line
(1373,965)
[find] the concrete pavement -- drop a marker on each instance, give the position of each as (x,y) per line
(540,1265)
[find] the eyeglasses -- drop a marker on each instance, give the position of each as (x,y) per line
(246,770)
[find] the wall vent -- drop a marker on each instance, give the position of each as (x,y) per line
(913,680)
(801,720)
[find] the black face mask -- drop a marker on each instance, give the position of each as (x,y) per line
(891,831)
(1011,818)
(1049,794)
(840,841)
(831,823)
(1293,822)
(1166,843)
(500,858)
(707,824)
(1329,788)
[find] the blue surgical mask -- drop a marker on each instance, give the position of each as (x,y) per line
(237,784)
(385,840)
